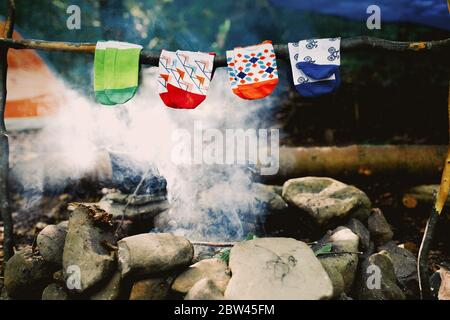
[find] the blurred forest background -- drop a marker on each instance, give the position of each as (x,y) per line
(384,97)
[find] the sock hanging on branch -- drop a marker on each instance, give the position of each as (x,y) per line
(184,78)
(253,71)
(116,70)
(165,61)
(99,74)
(315,66)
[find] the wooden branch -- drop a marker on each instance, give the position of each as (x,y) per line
(361,160)
(444,187)
(48,45)
(427,240)
(152,58)
(8,241)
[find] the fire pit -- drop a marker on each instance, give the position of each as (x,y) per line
(132,175)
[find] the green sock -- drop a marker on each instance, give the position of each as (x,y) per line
(122,63)
(116,70)
(99,74)
(109,70)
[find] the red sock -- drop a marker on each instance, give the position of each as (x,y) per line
(165,60)
(182,99)
(188,78)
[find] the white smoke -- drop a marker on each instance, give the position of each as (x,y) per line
(144,126)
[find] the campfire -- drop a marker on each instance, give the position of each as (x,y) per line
(119,247)
(201,175)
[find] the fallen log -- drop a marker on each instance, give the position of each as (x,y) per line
(424,194)
(414,162)
(418,161)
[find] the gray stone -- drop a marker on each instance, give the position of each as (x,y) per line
(276,268)
(27,274)
(111,290)
(326,199)
(137,200)
(205,289)
(85,255)
(377,280)
(214,269)
(58,276)
(151,253)
(151,289)
(267,196)
(137,211)
(405,266)
(165,220)
(273,188)
(342,266)
(55,291)
(336,278)
(343,296)
(50,242)
(4,294)
(361,231)
(435,283)
(369,251)
(379,228)
(64,224)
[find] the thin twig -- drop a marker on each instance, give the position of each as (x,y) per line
(130,197)
(213,244)
(226,244)
(341,252)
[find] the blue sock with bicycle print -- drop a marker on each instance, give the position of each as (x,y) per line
(315,66)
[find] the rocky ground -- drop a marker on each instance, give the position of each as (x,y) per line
(321,239)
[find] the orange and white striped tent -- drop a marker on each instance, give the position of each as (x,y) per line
(34,92)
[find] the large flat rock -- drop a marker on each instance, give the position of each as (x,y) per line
(276,268)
